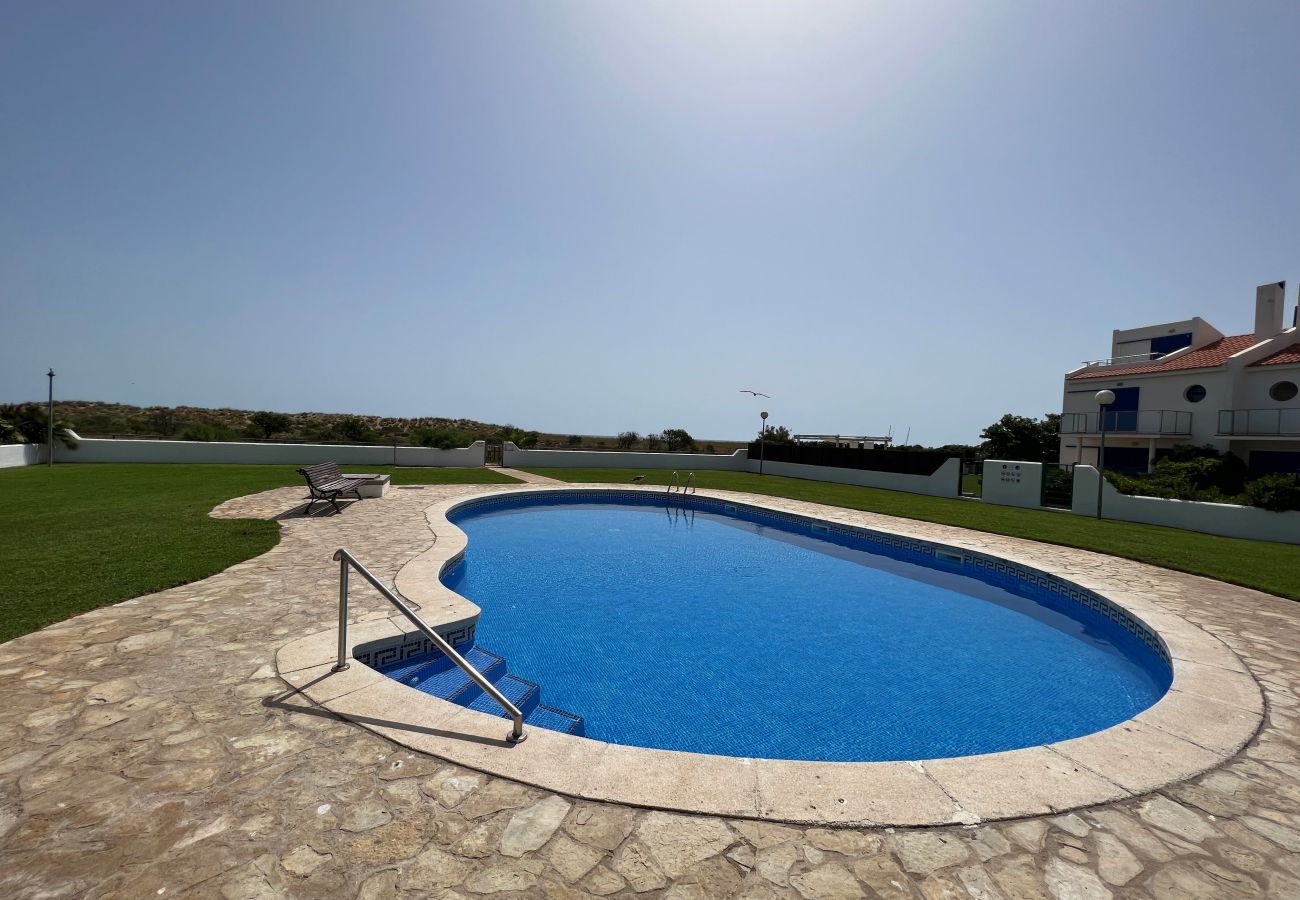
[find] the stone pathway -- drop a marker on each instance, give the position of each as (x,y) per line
(148,749)
(528,477)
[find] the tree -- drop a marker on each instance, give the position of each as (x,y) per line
(269,423)
(677,440)
(574,440)
(776,434)
(626,439)
(28,423)
(350,428)
(163,421)
(1023,438)
(653,440)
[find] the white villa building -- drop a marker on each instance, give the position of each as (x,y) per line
(1188,383)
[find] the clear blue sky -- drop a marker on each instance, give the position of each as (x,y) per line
(593,216)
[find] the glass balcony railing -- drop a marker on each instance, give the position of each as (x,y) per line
(1130,421)
(1282,421)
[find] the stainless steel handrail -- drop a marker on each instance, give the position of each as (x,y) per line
(672,481)
(690,484)
(1150,356)
(345,559)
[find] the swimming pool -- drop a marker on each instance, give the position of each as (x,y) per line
(693,624)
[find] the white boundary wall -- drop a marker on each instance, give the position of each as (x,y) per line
(1211,518)
(1011,483)
(12,455)
(108,450)
(946,482)
(621,459)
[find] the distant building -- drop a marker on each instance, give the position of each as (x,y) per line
(1188,383)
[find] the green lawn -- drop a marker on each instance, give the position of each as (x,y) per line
(75,537)
(1270,567)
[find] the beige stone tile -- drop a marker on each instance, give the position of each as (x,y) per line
(321,684)
(321,647)
(1020,783)
(1237,689)
(306,653)
(688,782)
(1202,721)
(852,793)
(1138,757)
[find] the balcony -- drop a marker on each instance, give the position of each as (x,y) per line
(1130,421)
(1279,422)
(1134,359)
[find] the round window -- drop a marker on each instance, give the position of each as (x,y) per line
(1283,391)
(1195,393)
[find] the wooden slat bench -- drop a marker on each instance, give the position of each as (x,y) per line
(326,482)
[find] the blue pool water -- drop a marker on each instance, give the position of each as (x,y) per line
(737,634)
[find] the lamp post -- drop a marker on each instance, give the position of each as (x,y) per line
(1104,400)
(762,441)
(49,423)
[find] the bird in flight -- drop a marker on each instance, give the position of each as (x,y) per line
(756,393)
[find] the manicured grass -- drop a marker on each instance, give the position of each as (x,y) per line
(1270,567)
(75,537)
(971,484)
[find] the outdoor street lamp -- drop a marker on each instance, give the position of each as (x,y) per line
(1104,400)
(49,423)
(762,441)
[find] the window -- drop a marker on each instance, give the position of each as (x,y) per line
(1195,393)
(1283,391)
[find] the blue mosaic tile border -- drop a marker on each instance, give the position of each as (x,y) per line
(991,569)
(406,646)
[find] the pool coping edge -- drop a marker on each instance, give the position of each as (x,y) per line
(1212,709)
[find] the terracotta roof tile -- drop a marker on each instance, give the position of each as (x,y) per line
(1210,356)
(1285,356)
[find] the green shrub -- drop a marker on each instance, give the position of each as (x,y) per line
(353,429)
(1170,487)
(1059,481)
(517,436)
(264,424)
(1201,474)
(202,431)
(1188,473)
(1276,492)
(441,438)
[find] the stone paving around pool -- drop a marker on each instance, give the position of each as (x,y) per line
(149,749)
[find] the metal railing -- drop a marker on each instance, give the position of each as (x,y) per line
(1280,421)
(1152,356)
(1139,421)
(346,559)
(688,485)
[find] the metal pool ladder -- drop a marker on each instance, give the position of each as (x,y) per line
(346,559)
(683,488)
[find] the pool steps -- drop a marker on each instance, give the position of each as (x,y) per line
(434,674)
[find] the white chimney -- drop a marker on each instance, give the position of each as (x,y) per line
(1269,300)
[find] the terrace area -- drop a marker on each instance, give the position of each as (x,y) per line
(152,748)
